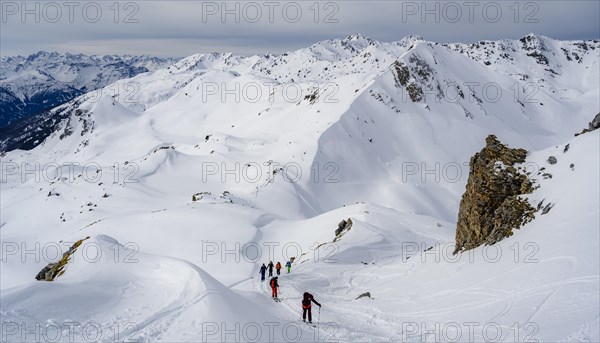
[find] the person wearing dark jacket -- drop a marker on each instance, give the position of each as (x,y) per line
(263,270)
(271,269)
(274,285)
(306,306)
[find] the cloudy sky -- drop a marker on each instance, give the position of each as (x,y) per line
(174,28)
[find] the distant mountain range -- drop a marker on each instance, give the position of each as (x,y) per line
(41,81)
(540,79)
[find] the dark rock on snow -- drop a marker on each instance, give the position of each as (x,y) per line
(54,270)
(364,295)
(491,207)
(343,227)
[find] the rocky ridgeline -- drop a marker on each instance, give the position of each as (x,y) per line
(593,125)
(54,270)
(208,197)
(491,208)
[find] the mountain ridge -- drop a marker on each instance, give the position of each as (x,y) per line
(417,81)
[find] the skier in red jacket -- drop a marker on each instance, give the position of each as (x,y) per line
(274,285)
(306,306)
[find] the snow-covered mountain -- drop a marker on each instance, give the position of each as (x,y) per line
(41,81)
(222,162)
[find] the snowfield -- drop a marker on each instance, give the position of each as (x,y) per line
(226,162)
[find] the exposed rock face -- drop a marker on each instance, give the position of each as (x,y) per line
(343,227)
(491,207)
(54,270)
(593,125)
(404,79)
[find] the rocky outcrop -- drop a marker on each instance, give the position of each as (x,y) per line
(364,295)
(343,227)
(199,196)
(54,270)
(491,207)
(593,125)
(404,79)
(209,198)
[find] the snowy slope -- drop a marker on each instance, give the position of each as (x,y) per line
(379,133)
